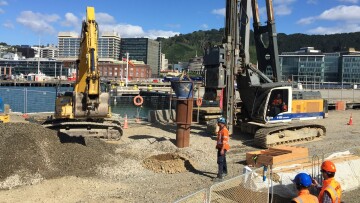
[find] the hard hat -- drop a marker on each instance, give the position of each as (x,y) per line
(302,179)
(328,166)
(221,120)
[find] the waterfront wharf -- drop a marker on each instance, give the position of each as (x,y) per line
(47,83)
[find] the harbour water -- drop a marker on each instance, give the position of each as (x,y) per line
(42,99)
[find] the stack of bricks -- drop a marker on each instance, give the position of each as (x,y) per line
(278,156)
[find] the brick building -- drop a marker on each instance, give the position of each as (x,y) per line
(118,71)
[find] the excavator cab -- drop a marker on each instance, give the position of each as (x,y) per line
(279,105)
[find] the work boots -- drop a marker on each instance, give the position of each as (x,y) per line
(220,178)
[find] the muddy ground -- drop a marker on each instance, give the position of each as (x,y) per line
(37,165)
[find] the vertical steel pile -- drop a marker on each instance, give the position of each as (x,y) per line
(184,110)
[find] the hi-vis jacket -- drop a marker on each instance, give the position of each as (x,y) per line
(304,196)
(333,188)
(222,139)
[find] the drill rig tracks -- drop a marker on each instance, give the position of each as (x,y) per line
(293,132)
(106,128)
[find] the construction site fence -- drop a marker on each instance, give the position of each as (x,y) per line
(42,99)
(274,183)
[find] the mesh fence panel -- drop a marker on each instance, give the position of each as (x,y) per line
(197,197)
(245,188)
(28,101)
(40,101)
(15,98)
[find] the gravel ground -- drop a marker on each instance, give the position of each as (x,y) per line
(37,165)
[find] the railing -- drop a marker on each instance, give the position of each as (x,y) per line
(275,185)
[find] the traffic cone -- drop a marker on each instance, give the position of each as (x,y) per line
(126,123)
(350,120)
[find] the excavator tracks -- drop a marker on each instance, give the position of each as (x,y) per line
(290,133)
(107,129)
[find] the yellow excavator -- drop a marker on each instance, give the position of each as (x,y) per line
(85,111)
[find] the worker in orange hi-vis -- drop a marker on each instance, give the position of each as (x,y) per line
(330,191)
(222,146)
(303,182)
(277,100)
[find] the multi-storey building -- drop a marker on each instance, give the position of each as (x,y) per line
(164,63)
(332,67)
(314,66)
(117,70)
(350,67)
(69,44)
(33,65)
(50,52)
(304,65)
(109,45)
(143,49)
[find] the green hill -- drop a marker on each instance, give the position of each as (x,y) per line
(185,46)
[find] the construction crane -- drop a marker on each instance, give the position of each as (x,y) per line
(268,107)
(85,111)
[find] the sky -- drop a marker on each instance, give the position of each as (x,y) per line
(28,22)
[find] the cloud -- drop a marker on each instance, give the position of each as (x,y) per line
(71,20)
(349,1)
(204,26)
(282,10)
(8,25)
(306,21)
(153,34)
(3,3)
(173,25)
(220,11)
(104,18)
(341,13)
(347,14)
(127,30)
(37,22)
(282,7)
(335,29)
(2,11)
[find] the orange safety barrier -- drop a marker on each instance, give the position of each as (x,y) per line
(340,106)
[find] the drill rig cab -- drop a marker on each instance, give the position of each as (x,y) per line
(85,111)
(268,107)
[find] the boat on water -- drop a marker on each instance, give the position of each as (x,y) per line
(37,77)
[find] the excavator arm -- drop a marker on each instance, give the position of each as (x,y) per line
(89,101)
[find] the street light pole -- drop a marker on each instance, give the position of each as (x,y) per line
(127,68)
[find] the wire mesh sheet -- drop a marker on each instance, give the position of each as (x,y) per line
(197,197)
(247,188)
(25,100)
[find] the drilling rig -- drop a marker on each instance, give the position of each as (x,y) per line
(269,109)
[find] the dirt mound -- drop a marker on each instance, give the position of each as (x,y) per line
(29,150)
(167,163)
